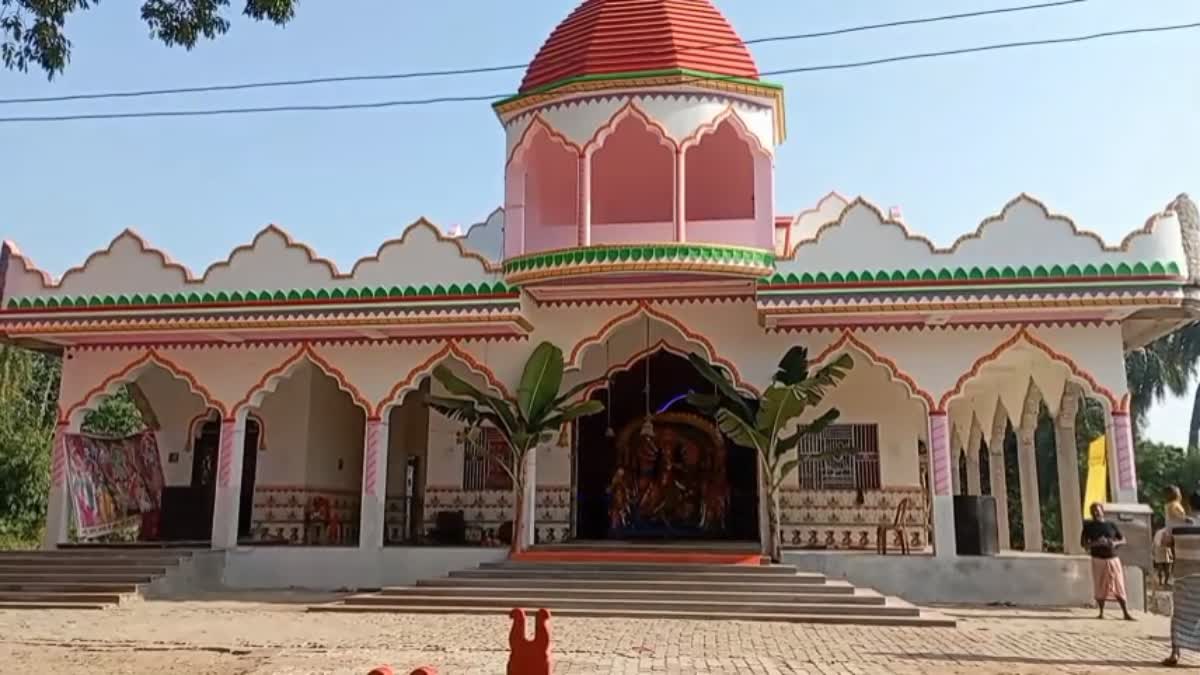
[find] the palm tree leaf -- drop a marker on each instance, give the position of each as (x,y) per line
(573,392)
(780,405)
(818,425)
(583,409)
(708,403)
(540,381)
(725,389)
(463,389)
(740,431)
(793,367)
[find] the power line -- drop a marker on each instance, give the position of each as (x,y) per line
(496,97)
(455,72)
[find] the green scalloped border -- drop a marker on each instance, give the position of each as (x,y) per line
(295,296)
(602,255)
(1089,272)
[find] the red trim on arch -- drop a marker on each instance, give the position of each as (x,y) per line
(848,339)
(151,357)
(305,352)
(451,349)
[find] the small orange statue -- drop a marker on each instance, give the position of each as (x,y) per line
(529,657)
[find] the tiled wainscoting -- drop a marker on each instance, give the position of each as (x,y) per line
(279,515)
(487,509)
(834,519)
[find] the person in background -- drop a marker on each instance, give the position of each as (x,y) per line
(1164,554)
(1102,539)
(1185,601)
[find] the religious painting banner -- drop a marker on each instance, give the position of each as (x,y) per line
(113,481)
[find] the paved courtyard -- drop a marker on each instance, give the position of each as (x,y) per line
(273,635)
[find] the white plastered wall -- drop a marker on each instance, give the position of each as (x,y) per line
(176,407)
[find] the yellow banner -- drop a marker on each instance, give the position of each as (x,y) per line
(1097,476)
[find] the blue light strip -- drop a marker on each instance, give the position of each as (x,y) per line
(672,402)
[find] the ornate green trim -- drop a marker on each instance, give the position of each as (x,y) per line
(968,275)
(683,254)
(451,292)
(637,75)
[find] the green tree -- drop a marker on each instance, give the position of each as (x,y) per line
(533,419)
(32,32)
(770,423)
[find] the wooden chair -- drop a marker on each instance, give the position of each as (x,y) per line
(898,525)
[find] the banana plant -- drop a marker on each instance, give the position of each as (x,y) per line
(534,418)
(770,423)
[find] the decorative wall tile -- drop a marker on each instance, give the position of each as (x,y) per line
(486,510)
(835,519)
(279,515)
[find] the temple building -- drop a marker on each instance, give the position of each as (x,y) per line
(286,395)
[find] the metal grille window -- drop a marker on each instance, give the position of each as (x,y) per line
(483,450)
(842,457)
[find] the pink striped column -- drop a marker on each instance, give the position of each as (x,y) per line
(942,484)
(1126,487)
(58,512)
(374,485)
(227,503)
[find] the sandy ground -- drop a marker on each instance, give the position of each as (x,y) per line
(272,634)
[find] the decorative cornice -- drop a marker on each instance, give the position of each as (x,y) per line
(666,257)
(964,276)
(648,79)
(279,298)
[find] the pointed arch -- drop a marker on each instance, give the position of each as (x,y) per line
(728,116)
(129,374)
(1024,337)
(631,162)
(214,415)
(539,125)
(644,309)
(451,351)
(271,380)
(850,343)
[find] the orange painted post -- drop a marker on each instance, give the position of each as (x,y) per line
(529,657)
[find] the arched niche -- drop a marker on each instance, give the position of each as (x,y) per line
(544,178)
(719,176)
(632,183)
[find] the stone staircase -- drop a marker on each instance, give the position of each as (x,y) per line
(81,578)
(646,590)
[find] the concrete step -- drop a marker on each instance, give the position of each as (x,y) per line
(87,561)
(6,605)
(76,576)
(623,575)
(640,567)
(81,567)
(701,605)
(920,619)
(635,597)
(68,586)
(569,585)
(78,598)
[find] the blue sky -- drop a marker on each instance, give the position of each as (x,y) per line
(1107,132)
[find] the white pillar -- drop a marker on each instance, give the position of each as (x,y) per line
(1126,486)
(229,481)
(529,507)
(956,486)
(997,473)
(1031,502)
(58,511)
(975,440)
(585,199)
(680,196)
(374,486)
(1067,452)
(944,545)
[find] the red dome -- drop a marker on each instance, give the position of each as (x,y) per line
(603,37)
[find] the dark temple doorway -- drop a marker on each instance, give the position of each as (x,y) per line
(674,478)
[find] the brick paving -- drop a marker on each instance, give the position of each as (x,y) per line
(273,635)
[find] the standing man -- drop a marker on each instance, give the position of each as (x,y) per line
(1101,538)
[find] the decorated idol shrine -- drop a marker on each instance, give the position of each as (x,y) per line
(286,399)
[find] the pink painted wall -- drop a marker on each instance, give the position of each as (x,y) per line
(633,177)
(719,177)
(551,195)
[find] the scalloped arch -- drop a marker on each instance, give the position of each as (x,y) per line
(271,380)
(451,351)
(536,126)
(630,109)
(1023,335)
(728,115)
(1146,229)
(644,309)
(129,374)
(849,342)
(422,223)
(214,415)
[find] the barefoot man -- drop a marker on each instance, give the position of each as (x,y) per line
(1102,538)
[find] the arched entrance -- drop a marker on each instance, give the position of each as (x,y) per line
(669,475)
(204,479)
